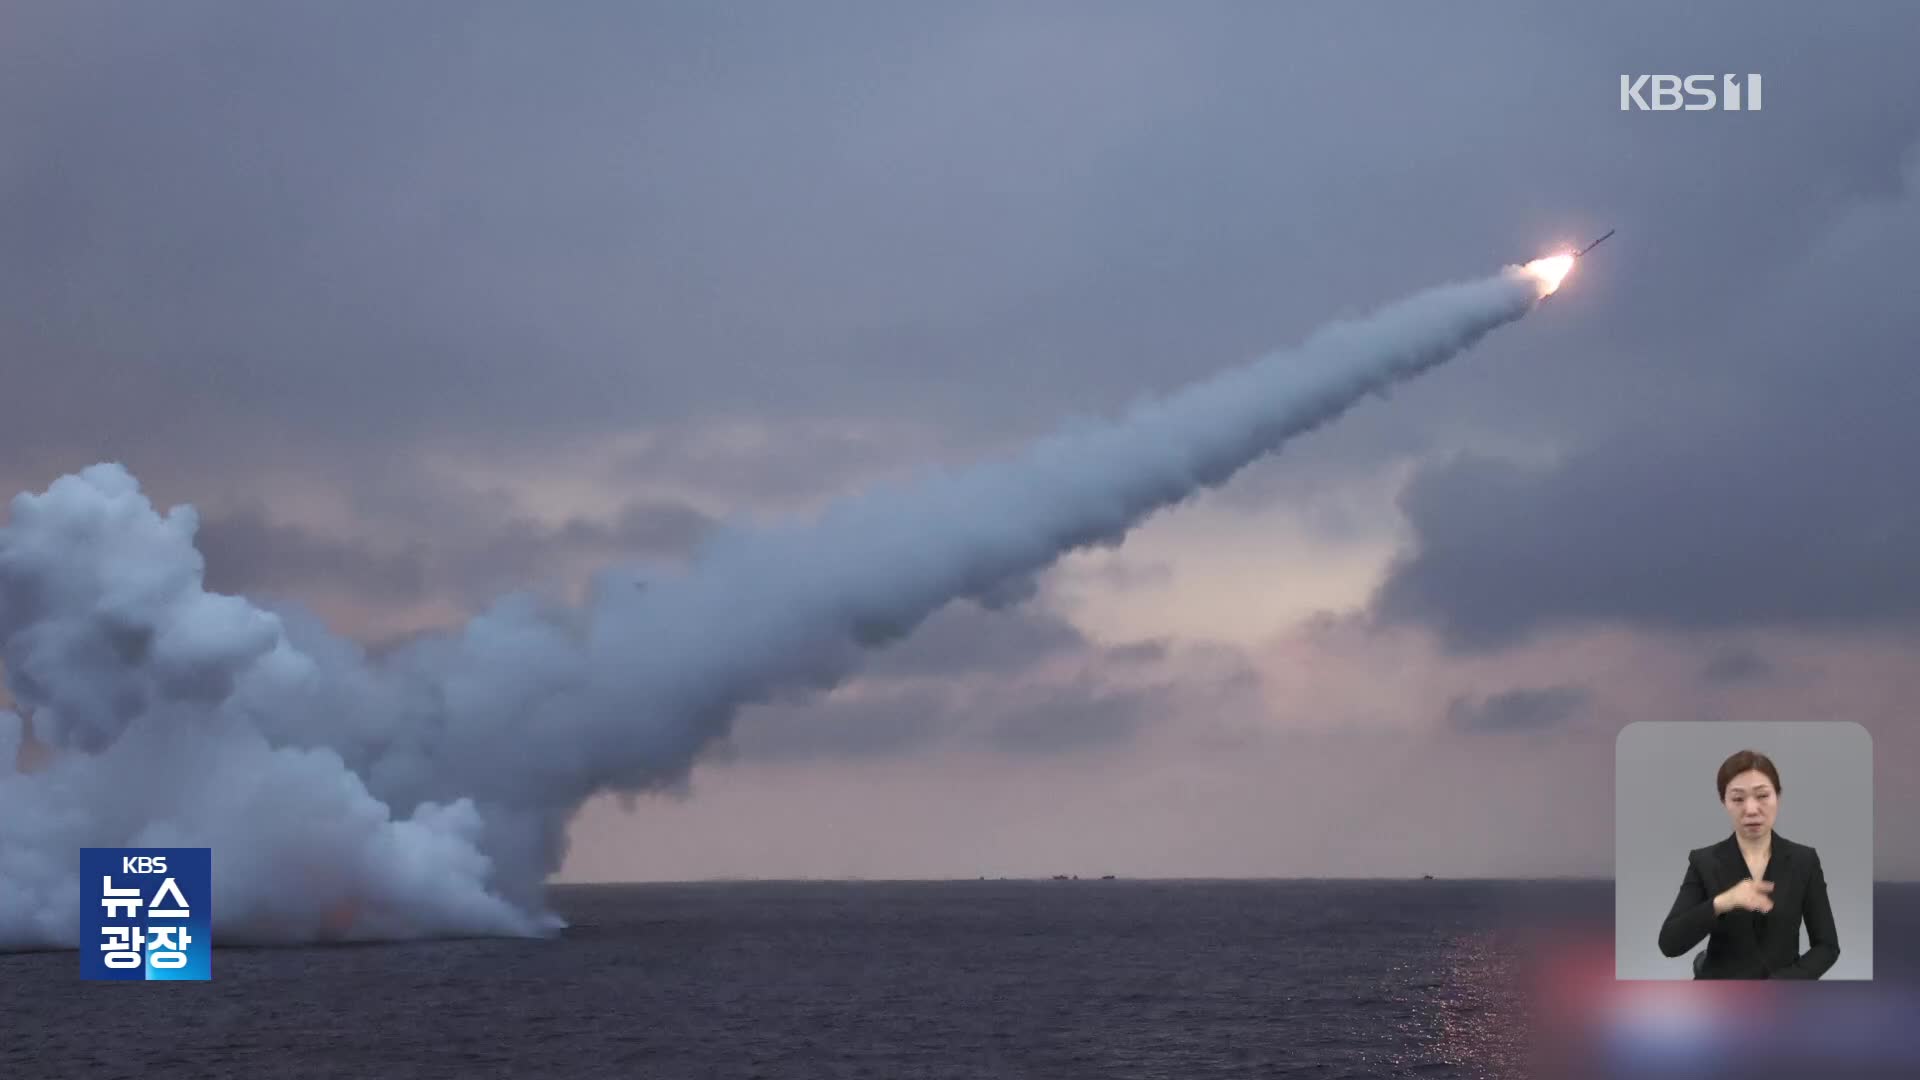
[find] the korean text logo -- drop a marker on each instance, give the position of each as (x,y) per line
(146,913)
(1694,93)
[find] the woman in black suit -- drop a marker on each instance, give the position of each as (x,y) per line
(1748,894)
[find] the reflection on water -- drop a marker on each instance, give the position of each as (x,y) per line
(1480,1013)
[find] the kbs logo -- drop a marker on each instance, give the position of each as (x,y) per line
(1694,93)
(145,913)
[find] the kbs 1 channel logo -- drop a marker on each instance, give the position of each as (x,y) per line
(146,913)
(1689,93)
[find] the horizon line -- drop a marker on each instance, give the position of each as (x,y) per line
(827,880)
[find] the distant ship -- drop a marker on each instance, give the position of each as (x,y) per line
(1426,877)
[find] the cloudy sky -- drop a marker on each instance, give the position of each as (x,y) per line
(420,303)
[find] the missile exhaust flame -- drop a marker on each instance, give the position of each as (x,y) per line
(1550,272)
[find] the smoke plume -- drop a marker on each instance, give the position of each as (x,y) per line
(427,792)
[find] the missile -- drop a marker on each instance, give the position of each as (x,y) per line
(1593,245)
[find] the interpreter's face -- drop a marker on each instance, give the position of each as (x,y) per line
(1751,802)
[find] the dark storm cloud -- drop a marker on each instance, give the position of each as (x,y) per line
(518,549)
(918,717)
(896,720)
(966,639)
(371,223)
(1736,666)
(359,224)
(780,464)
(967,678)
(1138,652)
(1079,717)
(1782,498)
(1517,710)
(232,238)
(1123,575)
(1653,533)
(246,552)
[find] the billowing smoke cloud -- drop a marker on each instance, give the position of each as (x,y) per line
(428,792)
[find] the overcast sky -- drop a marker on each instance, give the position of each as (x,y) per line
(422,302)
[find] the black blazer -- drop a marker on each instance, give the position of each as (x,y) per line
(1747,944)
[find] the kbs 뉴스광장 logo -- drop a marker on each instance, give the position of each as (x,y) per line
(146,913)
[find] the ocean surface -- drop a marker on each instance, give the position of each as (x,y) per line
(1042,979)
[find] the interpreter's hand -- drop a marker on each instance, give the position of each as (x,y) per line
(1749,895)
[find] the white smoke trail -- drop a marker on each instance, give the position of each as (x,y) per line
(428,793)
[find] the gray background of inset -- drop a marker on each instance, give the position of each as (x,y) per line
(1665,805)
